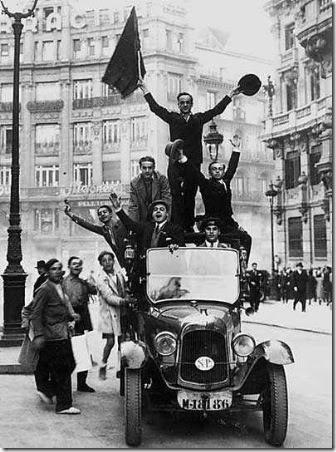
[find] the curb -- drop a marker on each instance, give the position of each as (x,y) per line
(289,328)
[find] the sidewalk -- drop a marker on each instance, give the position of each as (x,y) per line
(317,318)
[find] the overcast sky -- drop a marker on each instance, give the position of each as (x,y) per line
(248,23)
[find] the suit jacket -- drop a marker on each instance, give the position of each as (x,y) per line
(138,207)
(300,281)
(216,196)
(50,313)
(189,131)
(145,231)
(254,279)
(119,234)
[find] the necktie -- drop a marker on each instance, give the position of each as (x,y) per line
(155,236)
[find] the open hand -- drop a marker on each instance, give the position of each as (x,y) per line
(115,200)
(235,141)
(38,342)
(67,208)
(235,92)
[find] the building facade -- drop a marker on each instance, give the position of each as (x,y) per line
(298,130)
(79,139)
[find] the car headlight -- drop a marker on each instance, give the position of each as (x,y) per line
(243,344)
(165,343)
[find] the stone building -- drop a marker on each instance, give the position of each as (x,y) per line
(78,138)
(299,130)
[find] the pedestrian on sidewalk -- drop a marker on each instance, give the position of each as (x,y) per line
(254,279)
(319,285)
(300,279)
(111,295)
(78,290)
(326,284)
(311,286)
(49,319)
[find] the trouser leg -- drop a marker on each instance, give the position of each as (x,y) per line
(176,178)
(62,365)
(81,378)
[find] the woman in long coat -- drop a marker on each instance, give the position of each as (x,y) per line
(111,295)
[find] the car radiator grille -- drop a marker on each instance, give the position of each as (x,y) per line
(203,343)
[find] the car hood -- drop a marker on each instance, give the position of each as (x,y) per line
(183,317)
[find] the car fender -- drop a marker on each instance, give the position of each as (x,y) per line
(273,351)
(133,354)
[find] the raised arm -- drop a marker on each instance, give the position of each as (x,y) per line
(234,159)
(133,206)
(219,108)
(157,109)
(129,224)
(81,221)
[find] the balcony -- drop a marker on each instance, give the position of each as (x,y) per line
(45,106)
(289,58)
(82,148)
(96,102)
(47,149)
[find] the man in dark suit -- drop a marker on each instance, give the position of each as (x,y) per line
(42,271)
(151,234)
(254,280)
(299,279)
(188,127)
(216,191)
(149,186)
(113,231)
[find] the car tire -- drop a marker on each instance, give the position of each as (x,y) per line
(122,380)
(275,405)
(133,413)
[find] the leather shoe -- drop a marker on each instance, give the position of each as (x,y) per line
(85,388)
(71,410)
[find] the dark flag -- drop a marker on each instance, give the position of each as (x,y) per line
(122,71)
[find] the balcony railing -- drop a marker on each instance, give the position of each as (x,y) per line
(96,102)
(46,105)
(281,119)
(111,147)
(83,147)
(302,112)
(47,148)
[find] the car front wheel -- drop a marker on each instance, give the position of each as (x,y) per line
(275,405)
(133,406)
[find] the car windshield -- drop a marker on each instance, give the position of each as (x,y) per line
(193,273)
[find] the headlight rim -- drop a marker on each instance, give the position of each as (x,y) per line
(159,336)
(237,337)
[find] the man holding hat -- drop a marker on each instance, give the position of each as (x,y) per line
(149,186)
(300,279)
(159,232)
(211,228)
(216,190)
(189,127)
(42,271)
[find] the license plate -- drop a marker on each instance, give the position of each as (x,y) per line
(204,401)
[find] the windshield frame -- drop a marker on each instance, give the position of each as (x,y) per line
(235,271)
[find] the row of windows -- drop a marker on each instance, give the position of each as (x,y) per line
(295,237)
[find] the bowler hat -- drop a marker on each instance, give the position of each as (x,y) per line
(171,149)
(211,221)
(249,84)
(40,264)
(299,265)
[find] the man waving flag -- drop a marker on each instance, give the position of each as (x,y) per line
(126,65)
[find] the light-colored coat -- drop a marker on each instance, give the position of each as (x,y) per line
(137,209)
(110,300)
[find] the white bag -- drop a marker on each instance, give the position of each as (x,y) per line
(81,353)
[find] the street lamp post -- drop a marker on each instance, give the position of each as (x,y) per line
(213,139)
(14,276)
(271,193)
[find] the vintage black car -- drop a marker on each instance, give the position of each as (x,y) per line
(188,351)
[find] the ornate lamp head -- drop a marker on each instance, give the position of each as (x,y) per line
(212,140)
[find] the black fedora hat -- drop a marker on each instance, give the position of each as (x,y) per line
(40,264)
(172,148)
(210,221)
(249,84)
